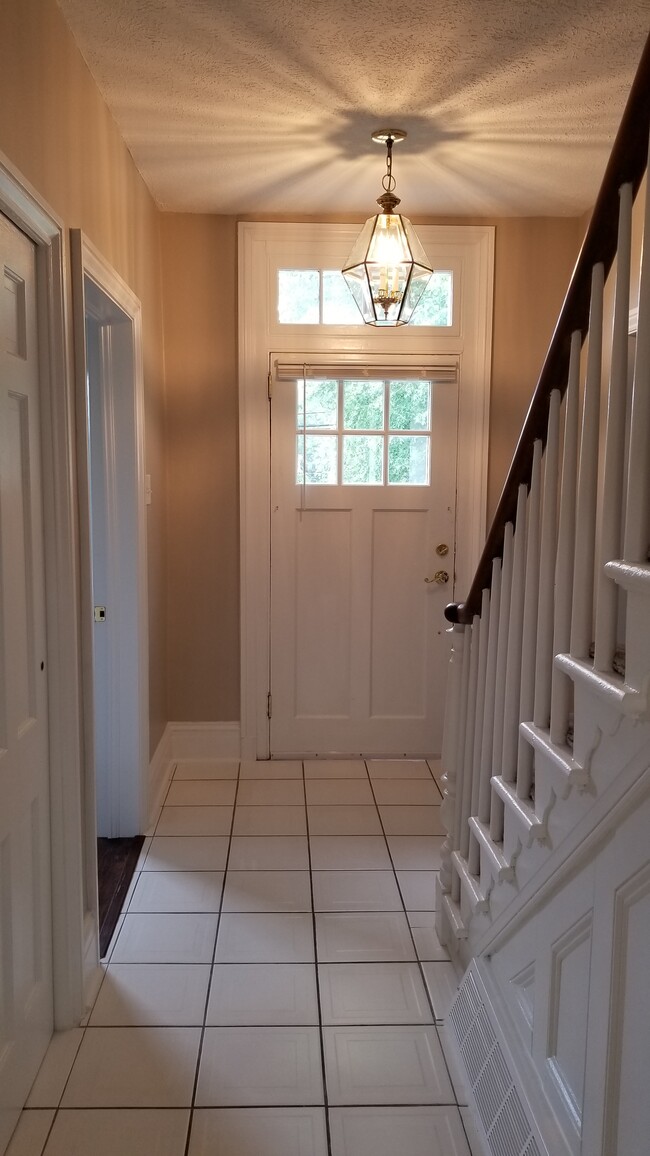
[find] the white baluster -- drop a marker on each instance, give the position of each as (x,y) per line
(515,630)
(544,644)
(483,628)
(561,686)
(585,543)
(496,807)
(485,792)
(468,761)
(613,475)
(529,628)
(460,752)
(637,516)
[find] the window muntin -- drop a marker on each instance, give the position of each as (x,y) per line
(321,297)
(378,432)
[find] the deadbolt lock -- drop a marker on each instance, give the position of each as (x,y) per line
(442,549)
(440,577)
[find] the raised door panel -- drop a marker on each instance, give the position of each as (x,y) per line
(25,915)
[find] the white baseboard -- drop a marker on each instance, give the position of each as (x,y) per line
(160,769)
(187,741)
(210,740)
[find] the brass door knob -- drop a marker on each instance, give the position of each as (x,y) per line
(440,576)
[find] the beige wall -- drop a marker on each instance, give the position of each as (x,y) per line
(200,296)
(533,264)
(56,130)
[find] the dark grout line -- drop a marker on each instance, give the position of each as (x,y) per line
(318,999)
(212,963)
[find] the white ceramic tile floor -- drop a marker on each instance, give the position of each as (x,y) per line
(269,853)
(166,938)
(430,1131)
(259,994)
(278,769)
(409,792)
(355,891)
(206,769)
(108,1131)
(201,793)
(418,889)
(385,1065)
(364,937)
(146,995)
(349,853)
(259,1132)
(335,769)
(416,852)
(265,938)
(257,1066)
(187,853)
(411,820)
(273,820)
(150,1067)
(177,891)
(338,792)
(398,769)
(219,1003)
(373,993)
(267,891)
(31,1133)
(271,793)
(333,820)
(195,821)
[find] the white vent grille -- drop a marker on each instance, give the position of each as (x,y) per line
(501,1111)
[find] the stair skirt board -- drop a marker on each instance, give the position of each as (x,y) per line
(502,1110)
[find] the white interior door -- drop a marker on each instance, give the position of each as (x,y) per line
(362,559)
(25,884)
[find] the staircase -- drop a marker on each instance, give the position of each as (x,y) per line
(545,882)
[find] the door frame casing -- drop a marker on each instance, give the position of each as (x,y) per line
(263,248)
(73,965)
(123,417)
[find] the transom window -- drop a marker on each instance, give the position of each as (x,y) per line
(321,297)
(363,433)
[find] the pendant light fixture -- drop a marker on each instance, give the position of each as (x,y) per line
(387,270)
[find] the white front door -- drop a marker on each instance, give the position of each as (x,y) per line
(363,485)
(25,899)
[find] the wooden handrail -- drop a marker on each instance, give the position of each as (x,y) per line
(627,165)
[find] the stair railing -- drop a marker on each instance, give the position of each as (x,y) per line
(571,529)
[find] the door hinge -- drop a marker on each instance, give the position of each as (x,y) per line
(269,705)
(269,382)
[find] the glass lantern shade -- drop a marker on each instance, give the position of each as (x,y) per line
(387,270)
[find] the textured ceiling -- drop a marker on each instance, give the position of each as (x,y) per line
(253,106)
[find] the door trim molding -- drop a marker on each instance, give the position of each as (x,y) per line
(261,246)
(126,538)
(22,205)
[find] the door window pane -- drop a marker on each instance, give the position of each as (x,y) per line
(363,460)
(409,406)
(298,296)
(339,306)
(363,405)
(435,307)
(408,461)
(320,399)
(321,454)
